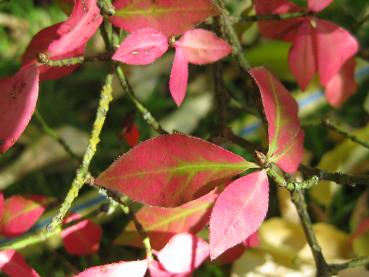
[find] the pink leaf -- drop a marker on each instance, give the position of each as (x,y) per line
(162,223)
(238,212)
(286,137)
(171,170)
(82,238)
(183,253)
(157,270)
(318,5)
(201,47)
(169,17)
(14,265)
(178,77)
(20,213)
(283,29)
(142,47)
(302,58)
(252,241)
(342,85)
(66,39)
(335,46)
(18,99)
(131,269)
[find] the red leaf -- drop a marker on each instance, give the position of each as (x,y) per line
(162,223)
(335,46)
(283,29)
(171,170)
(179,77)
(183,253)
(318,5)
(252,241)
(157,270)
(302,56)
(230,255)
(14,265)
(238,212)
(131,269)
(20,213)
(342,85)
(143,46)
(18,99)
(66,39)
(286,137)
(82,238)
(1,205)
(131,135)
(201,47)
(169,17)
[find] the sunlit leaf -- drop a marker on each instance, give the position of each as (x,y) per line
(171,170)
(143,46)
(162,223)
(66,39)
(238,212)
(14,265)
(202,47)
(169,17)
(179,77)
(131,269)
(286,137)
(19,95)
(183,253)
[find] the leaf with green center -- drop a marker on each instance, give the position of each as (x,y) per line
(20,213)
(169,17)
(171,170)
(161,224)
(286,137)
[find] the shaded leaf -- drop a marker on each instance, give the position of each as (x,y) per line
(170,170)
(183,253)
(335,46)
(169,17)
(238,212)
(141,47)
(66,39)
(202,47)
(161,224)
(286,137)
(131,269)
(19,95)
(14,265)
(302,56)
(284,29)
(341,86)
(82,238)
(20,213)
(178,77)
(131,134)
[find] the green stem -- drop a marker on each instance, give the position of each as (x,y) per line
(358,262)
(123,203)
(321,264)
(333,126)
(48,130)
(44,59)
(283,16)
(82,173)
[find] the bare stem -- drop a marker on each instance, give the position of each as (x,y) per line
(82,173)
(278,17)
(44,59)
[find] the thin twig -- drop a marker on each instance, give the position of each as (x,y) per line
(82,173)
(333,126)
(44,59)
(358,262)
(278,17)
(50,131)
